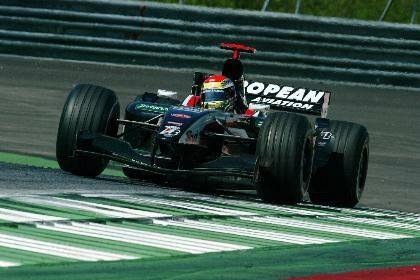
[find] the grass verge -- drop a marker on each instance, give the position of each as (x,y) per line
(400,10)
(7,157)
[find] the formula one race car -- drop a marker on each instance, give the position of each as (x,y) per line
(271,144)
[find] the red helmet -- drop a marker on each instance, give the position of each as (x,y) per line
(218,92)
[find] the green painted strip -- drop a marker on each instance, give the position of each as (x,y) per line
(10,203)
(43,162)
(176,205)
(382,228)
(205,235)
(255,225)
(394,212)
(361,212)
(309,231)
(286,229)
(266,209)
(263,263)
(335,212)
(27,257)
(313,219)
(145,207)
(88,242)
(152,253)
(67,210)
(226,206)
(247,206)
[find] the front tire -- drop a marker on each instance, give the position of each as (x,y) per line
(341,181)
(284,158)
(92,108)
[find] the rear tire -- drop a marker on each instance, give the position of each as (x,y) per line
(92,108)
(341,181)
(284,158)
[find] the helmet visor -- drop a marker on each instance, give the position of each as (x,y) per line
(215,95)
(216,105)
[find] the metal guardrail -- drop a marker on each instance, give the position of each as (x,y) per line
(178,36)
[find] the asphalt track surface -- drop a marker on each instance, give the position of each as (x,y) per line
(33,91)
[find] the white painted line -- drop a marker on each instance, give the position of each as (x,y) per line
(107,210)
(288,222)
(375,221)
(294,210)
(409,219)
(8,264)
(241,231)
(147,238)
(364,212)
(23,217)
(213,245)
(189,206)
(287,209)
(394,213)
(328,210)
(212,209)
(59,250)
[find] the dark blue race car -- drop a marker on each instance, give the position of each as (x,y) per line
(271,144)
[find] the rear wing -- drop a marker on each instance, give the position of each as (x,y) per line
(287,98)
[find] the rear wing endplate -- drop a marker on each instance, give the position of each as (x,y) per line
(287,98)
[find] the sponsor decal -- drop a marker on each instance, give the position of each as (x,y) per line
(151,108)
(286,96)
(259,123)
(175,123)
(170,131)
(181,116)
(282,103)
(189,109)
(327,135)
(324,138)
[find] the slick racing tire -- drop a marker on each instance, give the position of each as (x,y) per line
(284,158)
(341,181)
(92,108)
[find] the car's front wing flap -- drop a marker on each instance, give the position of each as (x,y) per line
(99,145)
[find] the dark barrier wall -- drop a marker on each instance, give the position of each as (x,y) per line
(175,36)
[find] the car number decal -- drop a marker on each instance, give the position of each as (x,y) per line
(170,131)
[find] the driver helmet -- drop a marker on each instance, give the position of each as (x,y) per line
(218,92)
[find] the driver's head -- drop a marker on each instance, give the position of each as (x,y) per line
(218,92)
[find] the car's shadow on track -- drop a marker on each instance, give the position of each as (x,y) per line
(216,187)
(16,179)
